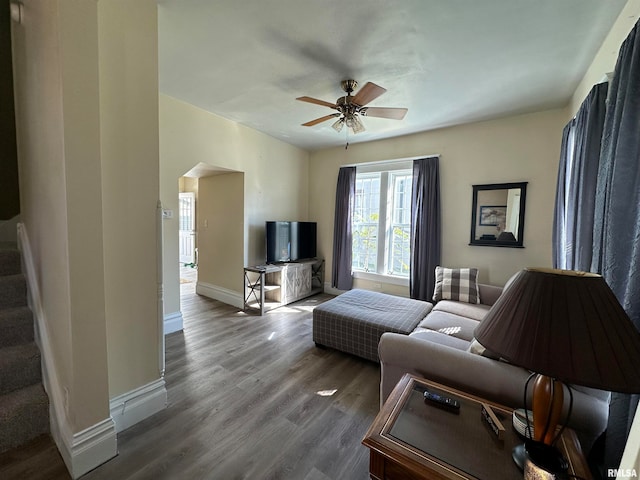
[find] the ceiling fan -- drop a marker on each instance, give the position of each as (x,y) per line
(351,108)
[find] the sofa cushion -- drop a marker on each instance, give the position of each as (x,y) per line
(476,312)
(450,325)
(459,284)
(489,294)
(439,338)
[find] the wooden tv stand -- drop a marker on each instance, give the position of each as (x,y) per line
(274,285)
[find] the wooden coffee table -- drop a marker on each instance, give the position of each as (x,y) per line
(412,439)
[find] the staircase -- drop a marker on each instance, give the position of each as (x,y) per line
(24,406)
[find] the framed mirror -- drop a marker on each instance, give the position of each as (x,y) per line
(497,214)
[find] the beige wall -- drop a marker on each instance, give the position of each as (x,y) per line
(221,230)
(514,149)
(188,184)
(40,136)
(130,185)
(58,124)
(88,153)
(275,179)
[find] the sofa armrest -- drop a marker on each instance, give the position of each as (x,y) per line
(475,374)
(489,294)
(490,379)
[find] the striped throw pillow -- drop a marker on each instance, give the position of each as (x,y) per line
(458,284)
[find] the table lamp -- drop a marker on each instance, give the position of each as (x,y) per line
(567,327)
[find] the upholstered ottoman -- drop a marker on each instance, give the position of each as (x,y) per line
(354,321)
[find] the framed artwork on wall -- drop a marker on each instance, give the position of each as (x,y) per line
(493,215)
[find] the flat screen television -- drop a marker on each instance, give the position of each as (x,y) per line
(290,241)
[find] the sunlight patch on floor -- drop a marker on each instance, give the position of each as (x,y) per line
(326,393)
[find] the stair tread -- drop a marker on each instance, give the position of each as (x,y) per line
(19,366)
(13,290)
(21,313)
(31,394)
(24,405)
(24,414)
(10,261)
(11,275)
(23,350)
(18,354)
(16,326)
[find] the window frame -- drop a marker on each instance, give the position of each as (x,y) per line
(392,206)
(384,265)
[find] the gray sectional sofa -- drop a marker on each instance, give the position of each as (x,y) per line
(436,343)
(441,348)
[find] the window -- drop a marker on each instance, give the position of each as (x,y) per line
(382,222)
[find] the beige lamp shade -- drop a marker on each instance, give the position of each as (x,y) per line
(567,325)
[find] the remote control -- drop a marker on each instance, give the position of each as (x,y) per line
(442,401)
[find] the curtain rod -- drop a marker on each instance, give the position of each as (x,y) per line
(391,161)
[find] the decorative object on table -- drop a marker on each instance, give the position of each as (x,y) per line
(522,424)
(544,462)
(569,328)
(492,420)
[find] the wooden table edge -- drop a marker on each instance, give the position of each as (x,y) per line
(414,460)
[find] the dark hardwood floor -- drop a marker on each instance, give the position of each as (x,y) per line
(249,397)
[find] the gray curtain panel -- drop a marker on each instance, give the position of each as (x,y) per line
(426,234)
(341,277)
(558,238)
(577,180)
(616,252)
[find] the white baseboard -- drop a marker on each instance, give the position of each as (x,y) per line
(173,322)
(224,295)
(134,406)
(85,450)
(92,447)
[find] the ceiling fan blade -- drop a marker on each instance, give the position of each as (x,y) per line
(381,112)
(369,92)
(320,120)
(317,102)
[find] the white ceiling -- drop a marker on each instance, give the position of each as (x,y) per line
(448,61)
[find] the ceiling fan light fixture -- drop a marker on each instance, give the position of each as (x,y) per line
(348,119)
(337,126)
(356,125)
